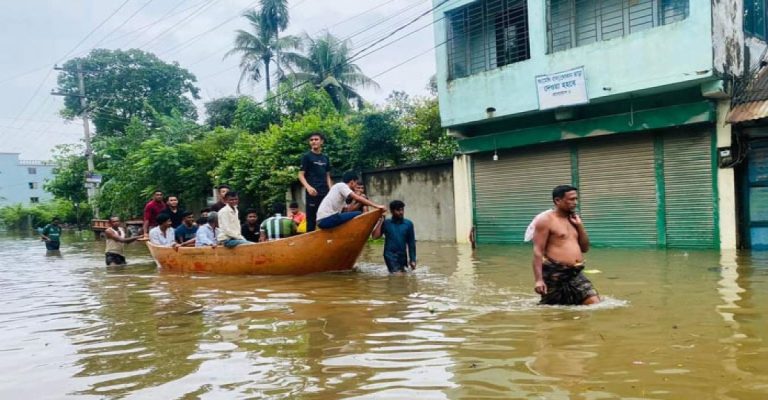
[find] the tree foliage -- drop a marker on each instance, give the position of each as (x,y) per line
(327,64)
(123,85)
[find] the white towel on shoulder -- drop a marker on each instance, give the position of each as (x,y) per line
(529,232)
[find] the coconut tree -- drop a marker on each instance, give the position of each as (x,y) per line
(327,64)
(259,48)
(274,15)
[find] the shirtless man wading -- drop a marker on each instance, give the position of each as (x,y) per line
(559,244)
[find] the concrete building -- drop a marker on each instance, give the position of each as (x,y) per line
(625,99)
(21,181)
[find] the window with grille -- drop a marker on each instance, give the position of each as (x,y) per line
(574,23)
(34,200)
(755,18)
(31,170)
(33,185)
(485,35)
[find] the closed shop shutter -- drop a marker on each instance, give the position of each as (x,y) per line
(689,191)
(511,191)
(617,185)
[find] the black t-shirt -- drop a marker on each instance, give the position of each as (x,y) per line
(176,218)
(251,236)
(316,168)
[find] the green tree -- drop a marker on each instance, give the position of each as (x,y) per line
(259,49)
(68,180)
(274,15)
(378,145)
(327,65)
(122,85)
(221,111)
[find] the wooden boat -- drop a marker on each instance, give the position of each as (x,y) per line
(334,249)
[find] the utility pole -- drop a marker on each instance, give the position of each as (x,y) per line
(91,187)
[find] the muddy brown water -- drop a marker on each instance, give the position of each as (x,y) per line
(465,325)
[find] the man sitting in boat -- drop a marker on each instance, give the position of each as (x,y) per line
(207,233)
(330,213)
(186,232)
(277,226)
(250,229)
(230,234)
(163,234)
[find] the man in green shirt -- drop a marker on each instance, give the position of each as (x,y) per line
(51,234)
(277,226)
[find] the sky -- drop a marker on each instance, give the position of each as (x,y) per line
(38,34)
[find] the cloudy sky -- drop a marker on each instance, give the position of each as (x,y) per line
(196,33)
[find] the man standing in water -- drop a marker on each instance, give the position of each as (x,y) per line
(559,244)
(315,176)
(51,235)
(115,242)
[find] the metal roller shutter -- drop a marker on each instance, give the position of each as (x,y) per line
(511,191)
(689,194)
(618,191)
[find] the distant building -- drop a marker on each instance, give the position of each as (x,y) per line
(21,181)
(625,99)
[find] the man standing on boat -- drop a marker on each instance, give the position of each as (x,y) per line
(174,211)
(116,241)
(229,222)
(221,190)
(315,176)
(559,244)
(152,210)
(330,213)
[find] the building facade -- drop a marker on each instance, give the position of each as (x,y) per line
(625,99)
(21,181)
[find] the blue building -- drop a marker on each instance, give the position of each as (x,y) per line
(21,181)
(625,99)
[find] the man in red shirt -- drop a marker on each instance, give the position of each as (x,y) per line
(153,208)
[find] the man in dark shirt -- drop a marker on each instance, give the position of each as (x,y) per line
(222,191)
(174,211)
(400,239)
(152,210)
(315,176)
(186,232)
(250,229)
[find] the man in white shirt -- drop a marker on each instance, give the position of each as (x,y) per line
(163,234)
(207,233)
(230,234)
(330,214)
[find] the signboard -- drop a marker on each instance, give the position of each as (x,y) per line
(92,178)
(562,89)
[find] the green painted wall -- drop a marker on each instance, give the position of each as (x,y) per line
(653,60)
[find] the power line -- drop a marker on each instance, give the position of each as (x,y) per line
(191,16)
(122,24)
(94,30)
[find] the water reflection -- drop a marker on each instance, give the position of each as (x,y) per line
(464,325)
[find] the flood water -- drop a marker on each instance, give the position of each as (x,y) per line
(676,325)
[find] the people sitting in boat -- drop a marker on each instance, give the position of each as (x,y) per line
(203,216)
(186,232)
(298,217)
(229,223)
(353,205)
(163,234)
(208,233)
(221,190)
(277,226)
(152,210)
(330,213)
(250,229)
(115,242)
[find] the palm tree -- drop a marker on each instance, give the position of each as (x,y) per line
(259,49)
(274,15)
(327,65)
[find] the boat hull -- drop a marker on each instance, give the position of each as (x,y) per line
(335,249)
